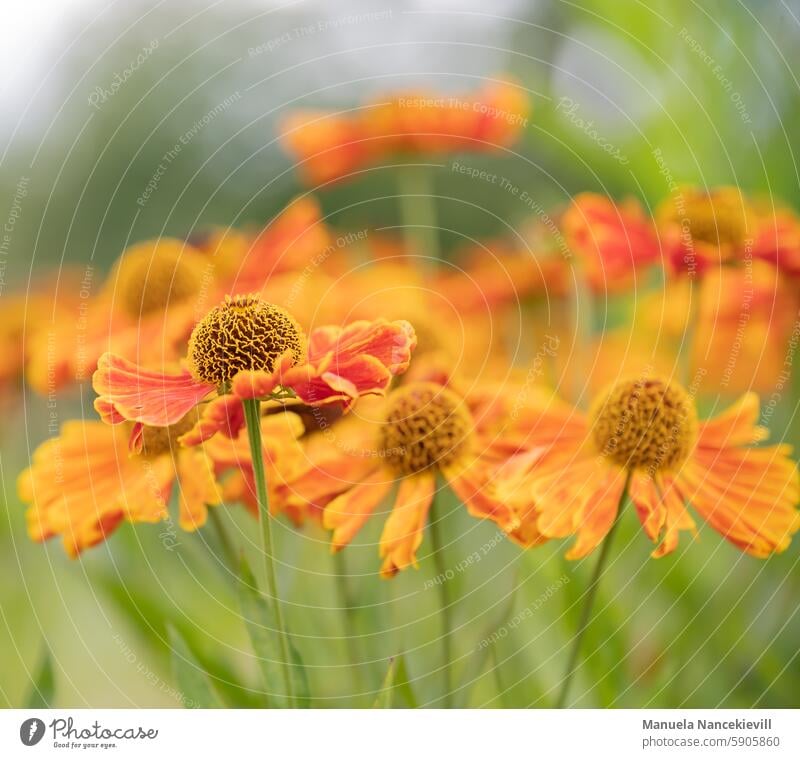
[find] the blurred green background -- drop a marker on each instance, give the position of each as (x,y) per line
(697,93)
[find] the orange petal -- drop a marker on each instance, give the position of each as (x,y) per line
(198,488)
(347,513)
(402,533)
(735,426)
(598,513)
(128,392)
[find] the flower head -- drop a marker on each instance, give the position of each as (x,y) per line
(83,484)
(243,333)
(703,228)
(254,350)
(646,428)
(424,431)
(332,145)
(612,240)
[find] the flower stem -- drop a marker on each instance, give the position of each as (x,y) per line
(418,214)
(589,598)
(445,597)
(252,414)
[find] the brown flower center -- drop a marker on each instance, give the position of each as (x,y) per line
(645,423)
(243,334)
(426,425)
(153,275)
(157,440)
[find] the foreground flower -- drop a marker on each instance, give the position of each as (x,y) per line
(423,431)
(255,350)
(645,431)
(83,484)
(333,145)
(159,288)
(612,241)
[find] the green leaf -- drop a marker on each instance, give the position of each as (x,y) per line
(41,695)
(384,699)
(259,618)
(190,676)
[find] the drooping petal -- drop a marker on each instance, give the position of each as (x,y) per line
(597,515)
(676,517)
(752,503)
(647,501)
(224,414)
(346,363)
(736,425)
(127,392)
(347,513)
(402,533)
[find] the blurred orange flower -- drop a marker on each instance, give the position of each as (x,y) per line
(611,240)
(84,483)
(332,145)
(160,288)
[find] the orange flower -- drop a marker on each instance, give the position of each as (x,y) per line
(612,240)
(647,429)
(701,228)
(158,289)
(84,483)
(256,350)
(421,431)
(333,145)
(776,238)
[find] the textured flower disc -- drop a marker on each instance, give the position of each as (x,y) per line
(243,333)
(153,275)
(645,423)
(426,425)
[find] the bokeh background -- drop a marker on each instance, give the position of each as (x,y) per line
(708,90)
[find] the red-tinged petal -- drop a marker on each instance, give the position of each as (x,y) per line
(402,533)
(391,342)
(128,392)
(223,414)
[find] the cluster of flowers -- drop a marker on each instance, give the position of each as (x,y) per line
(410,389)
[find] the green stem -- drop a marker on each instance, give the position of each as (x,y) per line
(418,213)
(252,414)
(589,598)
(445,597)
